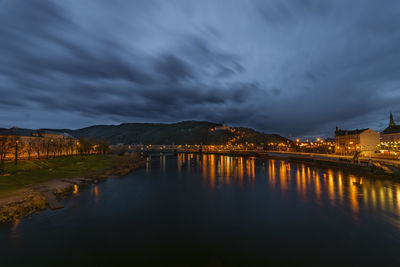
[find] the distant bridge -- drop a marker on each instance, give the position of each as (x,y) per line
(165,148)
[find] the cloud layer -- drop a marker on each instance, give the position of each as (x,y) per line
(293,67)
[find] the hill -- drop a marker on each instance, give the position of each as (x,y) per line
(181,133)
(186,132)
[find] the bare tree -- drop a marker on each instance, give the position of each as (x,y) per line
(71,146)
(5,148)
(16,144)
(48,146)
(29,147)
(104,146)
(85,146)
(37,146)
(55,146)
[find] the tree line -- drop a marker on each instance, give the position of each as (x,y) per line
(14,147)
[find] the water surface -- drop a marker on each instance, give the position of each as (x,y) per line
(216,210)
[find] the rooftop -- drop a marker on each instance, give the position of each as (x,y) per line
(392,129)
(349,132)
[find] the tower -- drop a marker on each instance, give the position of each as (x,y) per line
(391,123)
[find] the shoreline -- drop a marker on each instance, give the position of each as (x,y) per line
(35,198)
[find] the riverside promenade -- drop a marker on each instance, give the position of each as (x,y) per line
(394,162)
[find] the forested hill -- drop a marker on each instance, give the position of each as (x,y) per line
(186,132)
(181,133)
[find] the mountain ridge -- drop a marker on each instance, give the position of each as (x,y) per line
(179,133)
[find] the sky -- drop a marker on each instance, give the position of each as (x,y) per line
(297,68)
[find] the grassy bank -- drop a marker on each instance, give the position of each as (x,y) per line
(38,171)
(23,187)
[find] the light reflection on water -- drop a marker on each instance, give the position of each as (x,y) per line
(95,193)
(322,186)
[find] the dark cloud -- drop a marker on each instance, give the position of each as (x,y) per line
(173,68)
(293,67)
(276,91)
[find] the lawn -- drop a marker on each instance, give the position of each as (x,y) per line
(30,172)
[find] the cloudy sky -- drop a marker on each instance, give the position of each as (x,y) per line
(297,67)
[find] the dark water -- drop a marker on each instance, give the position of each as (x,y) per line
(208,210)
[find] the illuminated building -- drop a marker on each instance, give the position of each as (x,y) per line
(223,127)
(364,140)
(391,133)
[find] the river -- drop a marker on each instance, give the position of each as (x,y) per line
(213,210)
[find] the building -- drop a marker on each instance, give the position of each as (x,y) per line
(347,142)
(223,127)
(392,133)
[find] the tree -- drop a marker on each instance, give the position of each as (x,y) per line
(120,149)
(16,144)
(104,146)
(37,146)
(6,146)
(48,145)
(56,145)
(29,147)
(85,146)
(70,146)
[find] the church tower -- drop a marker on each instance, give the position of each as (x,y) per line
(391,123)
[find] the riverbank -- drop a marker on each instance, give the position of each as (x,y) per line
(23,187)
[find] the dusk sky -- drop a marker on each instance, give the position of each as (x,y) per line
(297,68)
